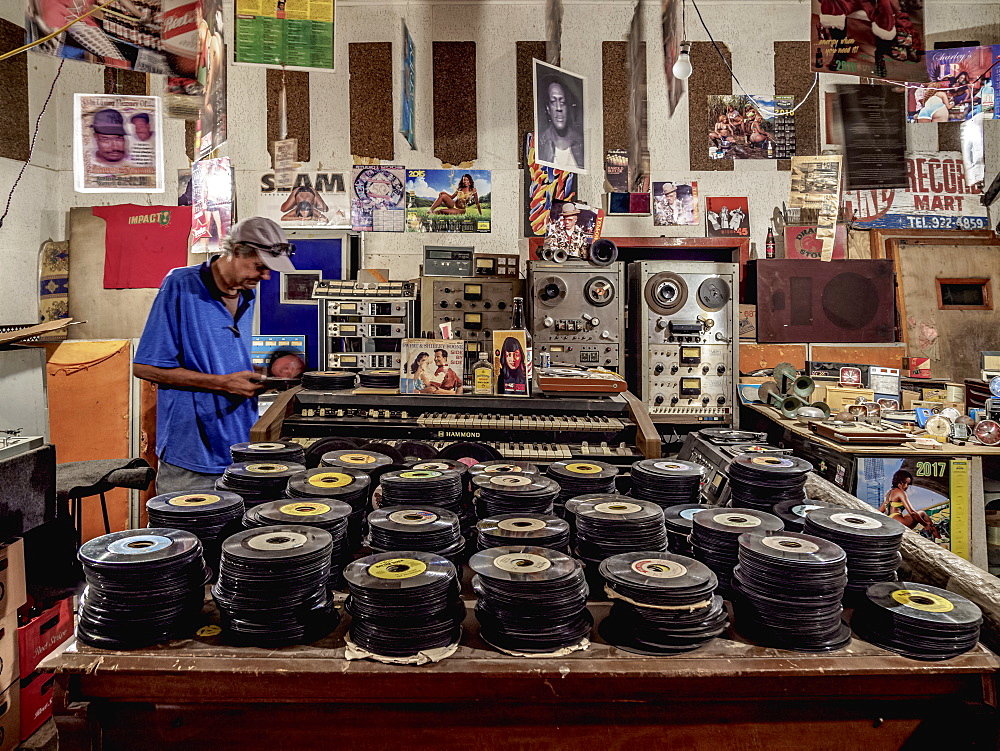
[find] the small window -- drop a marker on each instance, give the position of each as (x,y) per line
(964,294)
(297,288)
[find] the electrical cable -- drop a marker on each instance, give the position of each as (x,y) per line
(34,137)
(57,32)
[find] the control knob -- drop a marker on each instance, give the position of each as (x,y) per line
(658,369)
(721,400)
(658,400)
(721,369)
(547,321)
(660,324)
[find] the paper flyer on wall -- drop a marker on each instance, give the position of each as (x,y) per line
(815,188)
(745,127)
(880,38)
(440,200)
(378,191)
(874,128)
(928,494)
(290,33)
(212,203)
(727,216)
(432,366)
(408,93)
(542,186)
(961,86)
(211,128)
(573,227)
(675,204)
(318,200)
(117,144)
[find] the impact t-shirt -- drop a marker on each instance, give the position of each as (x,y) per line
(190,327)
(142,243)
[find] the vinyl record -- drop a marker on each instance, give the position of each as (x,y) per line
(426,528)
(730,436)
(870,539)
(359,459)
(581,477)
(612,524)
(149,548)
(329,380)
(503,467)
(666,482)
(276,451)
(281,542)
(760,480)
(415,451)
(385,449)
(379,379)
(480,452)
(517,492)
(715,538)
(540,530)
(442,464)
(314,453)
(399,571)
(522,564)
(348,485)
(793,513)
(678,521)
(259,481)
(209,515)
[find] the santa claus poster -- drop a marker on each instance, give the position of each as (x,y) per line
(881,38)
(727,216)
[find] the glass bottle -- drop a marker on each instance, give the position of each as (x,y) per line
(482,376)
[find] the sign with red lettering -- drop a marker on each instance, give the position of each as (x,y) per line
(937,197)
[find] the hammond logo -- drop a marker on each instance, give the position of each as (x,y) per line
(458,434)
(160,217)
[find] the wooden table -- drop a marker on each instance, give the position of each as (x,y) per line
(730,694)
(970,538)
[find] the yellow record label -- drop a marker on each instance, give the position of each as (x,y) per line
(919,600)
(583,469)
(330,480)
(194,499)
(307,508)
(358,459)
(267,469)
(431,465)
(265,446)
(420,474)
(212,630)
(397,568)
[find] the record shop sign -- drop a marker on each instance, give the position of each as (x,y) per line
(937,197)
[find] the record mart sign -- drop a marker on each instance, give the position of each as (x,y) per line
(937,197)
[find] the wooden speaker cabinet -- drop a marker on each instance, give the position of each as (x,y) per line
(837,301)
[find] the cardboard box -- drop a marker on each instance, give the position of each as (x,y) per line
(9,672)
(917,367)
(909,397)
(10,717)
(36,702)
(748,323)
(839,398)
(934,395)
(13,593)
(41,635)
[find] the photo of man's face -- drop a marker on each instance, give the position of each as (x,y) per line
(569,221)
(110,148)
(557,107)
(142,129)
(440,359)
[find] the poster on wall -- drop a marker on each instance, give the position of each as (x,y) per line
(542,186)
(938,196)
(880,38)
(441,200)
(211,128)
(116,144)
(408,106)
(928,494)
(511,363)
(431,366)
(815,191)
(671,22)
(378,190)
(559,97)
(804,242)
(675,204)
(316,200)
(746,127)
(616,172)
(727,216)
(152,36)
(212,203)
(961,86)
(296,35)
(572,229)
(874,136)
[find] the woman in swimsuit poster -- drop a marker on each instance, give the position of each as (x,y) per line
(897,505)
(459,201)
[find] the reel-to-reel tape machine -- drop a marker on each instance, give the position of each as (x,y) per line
(577,311)
(684,358)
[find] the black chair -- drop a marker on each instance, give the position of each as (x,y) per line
(78,480)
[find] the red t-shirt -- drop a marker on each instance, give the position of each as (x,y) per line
(142,243)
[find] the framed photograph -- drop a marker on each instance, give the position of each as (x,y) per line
(296,289)
(675,204)
(559,118)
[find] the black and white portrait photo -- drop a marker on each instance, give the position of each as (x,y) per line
(559,123)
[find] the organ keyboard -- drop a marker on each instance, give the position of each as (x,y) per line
(539,428)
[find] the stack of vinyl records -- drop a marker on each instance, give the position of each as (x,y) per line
(403,603)
(581,478)
(425,528)
(870,539)
(532,600)
(761,481)
(918,620)
(514,493)
(678,520)
(789,588)
(327,514)
(793,513)
(272,587)
(715,538)
(211,516)
(442,464)
(379,379)
(365,461)
(144,586)
(666,482)
(329,380)
(260,481)
(268,451)
(663,603)
(348,485)
(503,467)
(539,530)
(433,487)
(611,524)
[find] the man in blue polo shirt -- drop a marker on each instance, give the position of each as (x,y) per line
(196,347)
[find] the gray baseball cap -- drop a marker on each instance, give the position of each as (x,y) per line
(269,239)
(108,122)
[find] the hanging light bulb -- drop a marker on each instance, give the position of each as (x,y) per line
(682,67)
